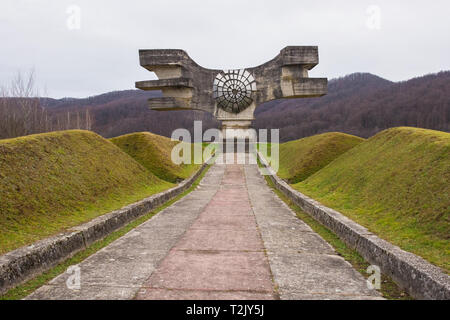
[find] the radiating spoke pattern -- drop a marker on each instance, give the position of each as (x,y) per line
(233,90)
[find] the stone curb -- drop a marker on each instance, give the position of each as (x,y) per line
(419,278)
(24,263)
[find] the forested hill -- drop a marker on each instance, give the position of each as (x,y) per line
(121,112)
(361,104)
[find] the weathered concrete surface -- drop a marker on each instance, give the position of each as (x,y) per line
(186,85)
(418,277)
(231,238)
(243,235)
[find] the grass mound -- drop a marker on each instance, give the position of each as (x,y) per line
(50,182)
(397,185)
(153,152)
(301,158)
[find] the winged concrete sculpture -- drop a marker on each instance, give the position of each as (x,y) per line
(230,95)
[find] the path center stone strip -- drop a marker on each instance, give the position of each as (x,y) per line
(221,256)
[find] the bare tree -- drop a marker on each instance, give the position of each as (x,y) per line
(88,120)
(20,110)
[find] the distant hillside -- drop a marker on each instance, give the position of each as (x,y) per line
(301,158)
(121,112)
(52,181)
(360,104)
(98,99)
(397,185)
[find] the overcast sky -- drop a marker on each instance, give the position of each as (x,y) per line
(82,48)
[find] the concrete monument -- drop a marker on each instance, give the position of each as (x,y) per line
(230,95)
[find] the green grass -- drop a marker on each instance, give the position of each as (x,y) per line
(154,153)
(397,185)
(389,288)
(53,181)
(301,158)
(28,287)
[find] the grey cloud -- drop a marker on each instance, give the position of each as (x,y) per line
(102,55)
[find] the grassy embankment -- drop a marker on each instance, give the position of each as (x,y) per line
(397,185)
(301,158)
(53,181)
(154,153)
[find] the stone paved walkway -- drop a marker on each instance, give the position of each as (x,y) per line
(231,238)
(221,256)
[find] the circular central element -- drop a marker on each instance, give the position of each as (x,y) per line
(233,90)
